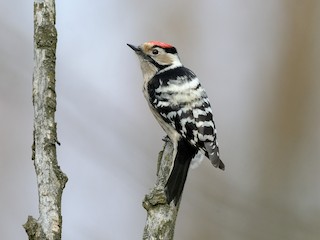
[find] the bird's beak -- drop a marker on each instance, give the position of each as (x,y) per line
(134,48)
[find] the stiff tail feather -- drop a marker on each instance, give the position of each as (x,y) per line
(178,175)
(213,155)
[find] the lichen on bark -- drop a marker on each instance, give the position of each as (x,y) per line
(161,217)
(50,179)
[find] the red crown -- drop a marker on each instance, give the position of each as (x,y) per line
(161,44)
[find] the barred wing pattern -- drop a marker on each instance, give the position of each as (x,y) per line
(178,97)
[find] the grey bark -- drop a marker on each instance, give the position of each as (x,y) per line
(161,217)
(50,179)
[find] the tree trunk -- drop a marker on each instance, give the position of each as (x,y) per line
(51,180)
(161,217)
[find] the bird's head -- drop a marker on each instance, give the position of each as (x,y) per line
(155,56)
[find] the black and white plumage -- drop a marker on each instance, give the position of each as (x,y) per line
(182,108)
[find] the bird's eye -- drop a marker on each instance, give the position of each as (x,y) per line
(155,51)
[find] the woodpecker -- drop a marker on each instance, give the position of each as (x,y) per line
(182,108)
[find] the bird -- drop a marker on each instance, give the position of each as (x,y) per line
(182,108)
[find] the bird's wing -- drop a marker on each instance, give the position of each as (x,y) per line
(183,104)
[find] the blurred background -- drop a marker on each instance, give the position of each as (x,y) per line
(259,62)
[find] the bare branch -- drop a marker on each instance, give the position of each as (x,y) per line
(51,180)
(161,217)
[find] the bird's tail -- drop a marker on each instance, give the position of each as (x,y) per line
(213,154)
(178,175)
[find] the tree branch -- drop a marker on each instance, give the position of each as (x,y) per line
(51,180)
(161,217)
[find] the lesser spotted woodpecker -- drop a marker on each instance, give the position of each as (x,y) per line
(182,108)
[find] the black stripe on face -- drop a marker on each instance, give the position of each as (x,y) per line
(172,50)
(157,65)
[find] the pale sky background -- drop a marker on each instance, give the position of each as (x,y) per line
(259,62)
